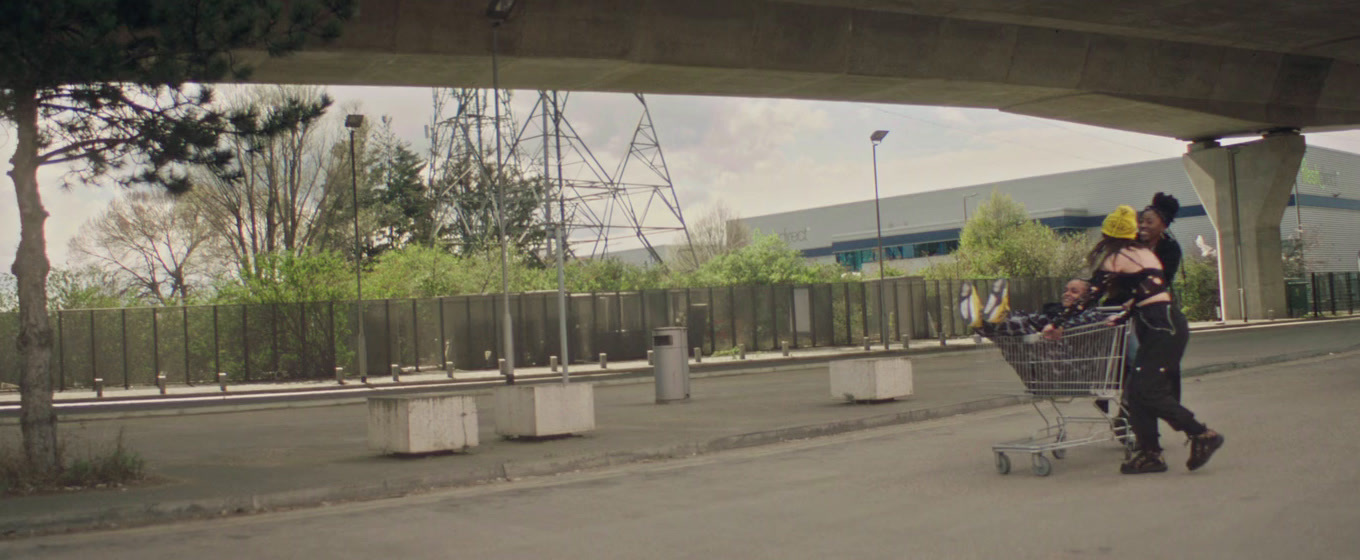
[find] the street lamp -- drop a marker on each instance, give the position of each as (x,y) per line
(965,207)
(498,11)
(353,123)
(876,138)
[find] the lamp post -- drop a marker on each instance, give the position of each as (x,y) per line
(965,208)
(353,123)
(498,11)
(875,139)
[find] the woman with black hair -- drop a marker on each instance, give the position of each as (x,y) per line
(1153,222)
(1119,262)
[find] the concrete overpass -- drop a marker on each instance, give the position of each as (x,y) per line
(1198,71)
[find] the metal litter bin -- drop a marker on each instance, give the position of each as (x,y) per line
(670,364)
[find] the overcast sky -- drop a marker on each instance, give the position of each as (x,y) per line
(757,156)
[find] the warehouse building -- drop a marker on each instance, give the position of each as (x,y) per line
(920,229)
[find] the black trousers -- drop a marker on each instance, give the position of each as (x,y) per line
(1153,389)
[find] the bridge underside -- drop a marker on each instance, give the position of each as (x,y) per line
(1209,70)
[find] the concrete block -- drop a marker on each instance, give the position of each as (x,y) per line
(873,379)
(549,409)
(409,424)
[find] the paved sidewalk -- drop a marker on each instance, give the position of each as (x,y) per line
(226,463)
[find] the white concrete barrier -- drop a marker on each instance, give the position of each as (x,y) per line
(547,409)
(410,424)
(873,379)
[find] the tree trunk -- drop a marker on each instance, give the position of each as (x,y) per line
(36,416)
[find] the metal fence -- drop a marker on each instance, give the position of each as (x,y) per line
(266,342)
(1330,293)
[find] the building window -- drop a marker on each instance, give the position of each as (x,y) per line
(935,248)
(855,260)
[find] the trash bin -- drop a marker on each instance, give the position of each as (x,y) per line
(670,359)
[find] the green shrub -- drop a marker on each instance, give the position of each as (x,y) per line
(1197,288)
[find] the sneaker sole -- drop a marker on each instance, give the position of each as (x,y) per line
(1214,445)
(1161,469)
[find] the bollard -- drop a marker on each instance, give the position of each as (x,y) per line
(487,356)
(99,387)
(501,367)
(339,375)
(222,381)
(649,357)
(604,360)
(866,344)
(784,345)
(698,355)
(396,373)
(741,351)
(160,382)
(552,363)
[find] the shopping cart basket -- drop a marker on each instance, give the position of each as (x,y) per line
(1087,362)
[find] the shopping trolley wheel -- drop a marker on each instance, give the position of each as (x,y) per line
(1042,467)
(1003,463)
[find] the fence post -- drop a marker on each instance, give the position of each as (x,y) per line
(812,315)
(330,336)
(245,341)
(897,310)
(443,338)
(415,333)
(774,319)
(755,321)
(304,352)
(732,314)
(184,318)
(595,330)
(387,331)
(94,374)
(274,335)
(711,317)
(217,349)
(1313,282)
(61,355)
(864,310)
(1332,292)
(849,334)
(155,342)
(1351,294)
(127,384)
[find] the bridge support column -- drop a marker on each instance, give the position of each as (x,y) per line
(1245,189)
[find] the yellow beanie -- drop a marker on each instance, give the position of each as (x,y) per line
(1122,223)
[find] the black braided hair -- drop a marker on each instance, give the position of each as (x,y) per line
(1166,206)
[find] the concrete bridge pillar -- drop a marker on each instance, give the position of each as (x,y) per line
(1245,189)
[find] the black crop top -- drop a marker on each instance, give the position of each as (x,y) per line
(1143,284)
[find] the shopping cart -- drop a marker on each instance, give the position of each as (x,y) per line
(1086,363)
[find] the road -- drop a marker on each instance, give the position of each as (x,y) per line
(1285,486)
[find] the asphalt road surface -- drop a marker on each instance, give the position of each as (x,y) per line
(1286,485)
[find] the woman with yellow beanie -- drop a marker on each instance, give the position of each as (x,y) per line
(1120,263)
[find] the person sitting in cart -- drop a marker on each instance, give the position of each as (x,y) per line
(994,318)
(1050,368)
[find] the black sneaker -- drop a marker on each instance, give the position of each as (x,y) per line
(1202,447)
(1144,462)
